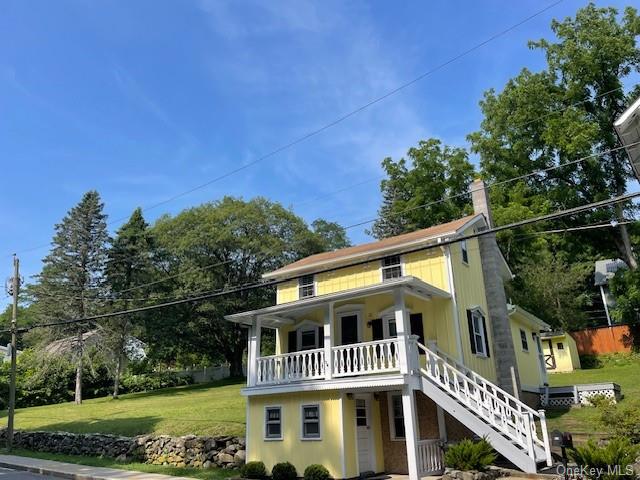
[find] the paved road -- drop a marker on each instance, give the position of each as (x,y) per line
(9,474)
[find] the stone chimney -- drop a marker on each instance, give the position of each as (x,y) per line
(504,355)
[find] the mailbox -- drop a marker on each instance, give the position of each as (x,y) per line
(567,440)
(561,439)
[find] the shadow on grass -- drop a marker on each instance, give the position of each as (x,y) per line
(116,426)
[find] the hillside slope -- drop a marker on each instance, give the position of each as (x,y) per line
(206,409)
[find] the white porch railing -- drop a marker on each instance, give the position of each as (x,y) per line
(513,418)
(365,358)
(346,360)
(430,457)
(290,367)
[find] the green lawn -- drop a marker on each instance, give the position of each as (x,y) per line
(206,409)
(204,474)
(583,421)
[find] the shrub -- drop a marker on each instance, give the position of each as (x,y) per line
(316,472)
(470,455)
(146,382)
(284,471)
(622,422)
(600,461)
(600,400)
(253,469)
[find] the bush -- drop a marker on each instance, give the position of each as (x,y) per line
(470,455)
(253,470)
(147,382)
(622,422)
(284,471)
(600,400)
(316,472)
(599,461)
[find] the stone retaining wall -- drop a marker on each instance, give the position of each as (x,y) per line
(188,451)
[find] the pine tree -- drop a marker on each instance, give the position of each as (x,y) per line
(128,267)
(72,275)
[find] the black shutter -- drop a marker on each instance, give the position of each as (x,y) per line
(486,336)
(376,329)
(320,337)
(472,338)
(293,341)
(417,328)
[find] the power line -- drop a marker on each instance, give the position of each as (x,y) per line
(339,119)
(575,229)
(495,184)
(263,284)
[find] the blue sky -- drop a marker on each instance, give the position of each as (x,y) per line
(143,100)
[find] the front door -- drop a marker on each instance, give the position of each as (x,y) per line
(349,329)
(363,426)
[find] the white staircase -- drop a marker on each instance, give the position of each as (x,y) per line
(514,429)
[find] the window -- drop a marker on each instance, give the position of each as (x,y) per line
(465,252)
(397,417)
(560,346)
(523,340)
(308,338)
(306,286)
(478,333)
(273,423)
(361,413)
(391,267)
(311,422)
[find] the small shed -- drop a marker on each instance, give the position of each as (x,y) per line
(560,352)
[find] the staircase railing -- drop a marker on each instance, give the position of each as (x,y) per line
(513,418)
(430,457)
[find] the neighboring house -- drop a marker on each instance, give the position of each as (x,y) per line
(386,350)
(5,352)
(605,270)
(560,352)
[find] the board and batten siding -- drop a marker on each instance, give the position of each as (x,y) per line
(469,288)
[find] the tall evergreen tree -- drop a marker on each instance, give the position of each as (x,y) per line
(129,266)
(72,275)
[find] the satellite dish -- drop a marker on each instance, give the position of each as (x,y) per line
(628,128)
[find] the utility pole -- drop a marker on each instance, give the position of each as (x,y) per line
(15,287)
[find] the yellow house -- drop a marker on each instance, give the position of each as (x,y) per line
(560,352)
(386,351)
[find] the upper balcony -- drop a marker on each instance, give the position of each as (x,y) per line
(349,336)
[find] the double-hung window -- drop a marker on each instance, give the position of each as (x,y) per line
(478,333)
(273,423)
(306,286)
(524,341)
(391,267)
(397,417)
(311,422)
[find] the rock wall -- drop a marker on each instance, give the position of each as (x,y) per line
(188,451)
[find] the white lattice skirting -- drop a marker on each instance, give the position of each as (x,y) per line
(578,394)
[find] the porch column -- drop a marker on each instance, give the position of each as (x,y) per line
(403,329)
(255,335)
(410,431)
(328,342)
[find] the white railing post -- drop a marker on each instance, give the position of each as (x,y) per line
(545,436)
(402,329)
(528,428)
(411,431)
(254,351)
(328,341)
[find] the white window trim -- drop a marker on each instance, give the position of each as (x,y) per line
(464,246)
(310,439)
(402,266)
(307,325)
(392,425)
(347,313)
(315,286)
(482,332)
(526,350)
(264,422)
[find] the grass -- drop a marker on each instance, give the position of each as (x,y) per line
(215,408)
(584,421)
(203,474)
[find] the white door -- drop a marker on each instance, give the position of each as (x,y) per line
(363,427)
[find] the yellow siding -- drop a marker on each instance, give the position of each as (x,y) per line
(528,361)
(469,287)
(567,359)
(429,266)
(327,451)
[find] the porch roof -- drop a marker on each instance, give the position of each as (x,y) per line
(276,315)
